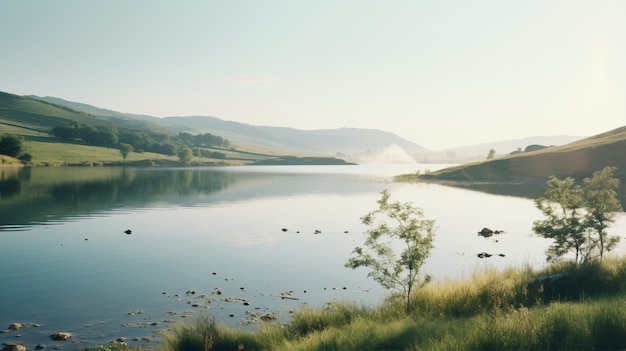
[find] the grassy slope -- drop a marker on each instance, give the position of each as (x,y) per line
(33,119)
(509,310)
(578,159)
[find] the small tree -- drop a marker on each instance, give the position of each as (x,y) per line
(12,145)
(491,154)
(563,221)
(601,204)
(185,154)
(577,218)
(125,149)
(407,229)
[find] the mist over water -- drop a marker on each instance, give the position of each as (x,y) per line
(391,154)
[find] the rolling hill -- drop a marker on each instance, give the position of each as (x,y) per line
(577,159)
(505,147)
(93,136)
(328,142)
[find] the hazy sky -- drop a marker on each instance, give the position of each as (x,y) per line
(439,73)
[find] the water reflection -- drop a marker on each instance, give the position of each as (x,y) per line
(530,190)
(42,195)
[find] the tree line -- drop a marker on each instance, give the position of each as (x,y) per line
(184,145)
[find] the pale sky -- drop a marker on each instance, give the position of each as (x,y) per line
(439,73)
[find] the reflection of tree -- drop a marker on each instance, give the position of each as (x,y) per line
(9,185)
(46,194)
(134,186)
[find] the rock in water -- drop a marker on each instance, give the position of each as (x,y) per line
(60,336)
(13,346)
(15,326)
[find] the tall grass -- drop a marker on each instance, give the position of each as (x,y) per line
(206,334)
(561,307)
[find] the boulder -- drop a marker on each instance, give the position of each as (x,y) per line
(15,326)
(60,336)
(13,346)
(486,232)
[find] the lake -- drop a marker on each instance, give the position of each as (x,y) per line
(210,241)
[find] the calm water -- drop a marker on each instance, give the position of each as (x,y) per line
(67,265)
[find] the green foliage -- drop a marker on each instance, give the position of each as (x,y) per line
(491,154)
(577,218)
(12,145)
(185,155)
(601,204)
(203,140)
(408,229)
(91,135)
(125,149)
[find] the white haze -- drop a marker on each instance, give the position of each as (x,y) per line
(391,154)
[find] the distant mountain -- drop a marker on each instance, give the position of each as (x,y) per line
(508,146)
(345,141)
(327,141)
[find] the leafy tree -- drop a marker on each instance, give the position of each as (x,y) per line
(167,149)
(139,140)
(65,131)
(105,137)
(563,220)
(185,155)
(12,145)
(125,149)
(577,218)
(401,224)
(491,154)
(601,204)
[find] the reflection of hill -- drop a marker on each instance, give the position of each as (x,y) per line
(42,195)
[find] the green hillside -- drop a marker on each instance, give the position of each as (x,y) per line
(578,159)
(95,139)
(37,115)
